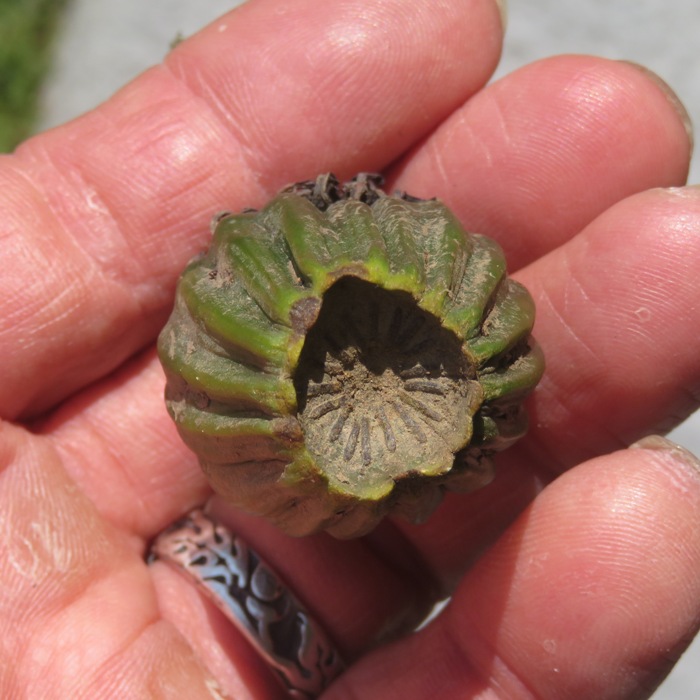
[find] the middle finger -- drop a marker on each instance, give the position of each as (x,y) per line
(533,158)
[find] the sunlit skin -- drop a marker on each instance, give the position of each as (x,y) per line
(574,574)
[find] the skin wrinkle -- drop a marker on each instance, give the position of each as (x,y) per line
(451,629)
(349,42)
(582,97)
(255,144)
(553,459)
(682,226)
(600,97)
(637,315)
(375,26)
(390,544)
(457,660)
(116,669)
(650,280)
(14,316)
(37,196)
(56,636)
(546,302)
(203,94)
(77,200)
(437,149)
(499,123)
(589,95)
(9,164)
(67,303)
(635,514)
(77,288)
(106,668)
(104,452)
(141,384)
(458,134)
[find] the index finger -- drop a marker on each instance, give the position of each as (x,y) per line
(102,214)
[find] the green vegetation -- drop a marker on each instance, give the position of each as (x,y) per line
(26,30)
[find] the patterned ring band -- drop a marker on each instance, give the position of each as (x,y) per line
(254,599)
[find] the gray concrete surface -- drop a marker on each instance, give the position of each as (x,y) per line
(104,44)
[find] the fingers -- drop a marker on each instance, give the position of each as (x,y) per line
(103,213)
(593,593)
(536,156)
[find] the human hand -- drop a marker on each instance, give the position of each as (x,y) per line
(592,589)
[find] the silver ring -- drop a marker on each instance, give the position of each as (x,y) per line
(254,599)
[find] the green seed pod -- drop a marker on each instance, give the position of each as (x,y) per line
(342,354)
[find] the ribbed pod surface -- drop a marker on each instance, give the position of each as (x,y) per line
(341,354)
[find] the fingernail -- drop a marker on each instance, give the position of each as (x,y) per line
(657,443)
(672,98)
(503,10)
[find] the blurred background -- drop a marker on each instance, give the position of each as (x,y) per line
(59,58)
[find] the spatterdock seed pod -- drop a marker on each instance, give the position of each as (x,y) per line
(341,354)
